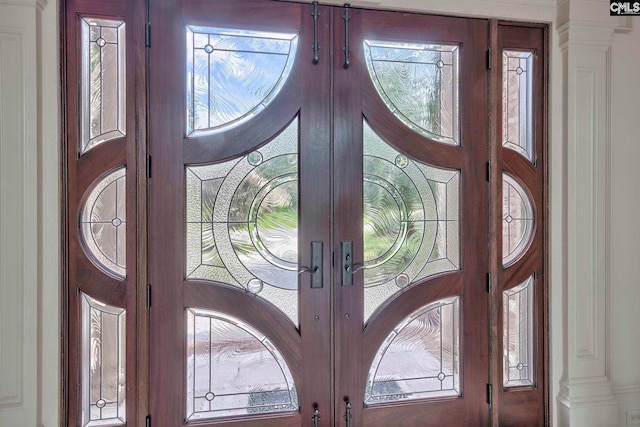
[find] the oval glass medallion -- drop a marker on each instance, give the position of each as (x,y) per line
(419,84)
(242,222)
(233,74)
(411,227)
(103,223)
(517,220)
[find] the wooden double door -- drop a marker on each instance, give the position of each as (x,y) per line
(319,217)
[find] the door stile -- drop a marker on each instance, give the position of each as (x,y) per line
(348,224)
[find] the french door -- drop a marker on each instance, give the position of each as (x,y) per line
(343,214)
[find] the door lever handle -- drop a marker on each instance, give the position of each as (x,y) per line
(316,416)
(316,265)
(347,414)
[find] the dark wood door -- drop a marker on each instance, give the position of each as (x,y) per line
(240,242)
(411,193)
(317,229)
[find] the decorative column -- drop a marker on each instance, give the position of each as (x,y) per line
(586,35)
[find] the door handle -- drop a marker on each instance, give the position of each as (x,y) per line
(316,416)
(316,265)
(348,267)
(347,414)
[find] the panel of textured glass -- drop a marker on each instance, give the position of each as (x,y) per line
(103,223)
(232,75)
(103,363)
(419,84)
(517,220)
(233,369)
(517,101)
(411,228)
(103,81)
(242,222)
(420,357)
(518,361)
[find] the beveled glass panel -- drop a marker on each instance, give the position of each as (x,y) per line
(411,228)
(232,75)
(103,81)
(103,223)
(233,369)
(242,222)
(517,335)
(517,102)
(517,220)
(420,357)
(419,83)
(103,363)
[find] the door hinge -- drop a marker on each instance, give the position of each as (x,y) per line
(147,34)
(148,166)
(489,171)
(148,421)
(148,296)
(488,283)
(489,59)
(489,394)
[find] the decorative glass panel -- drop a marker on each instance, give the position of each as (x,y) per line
(419,84)
(420,357)
(104,221)
(517,102)
(518,334)
(242,222)
(232,75)
(233,369)
(103,363)
(517,220)
(411,228)
(103,81)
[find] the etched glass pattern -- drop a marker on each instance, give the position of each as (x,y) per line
(103,363)
(103,223)
(233,369)
(518,334)
(420,357)
(419,84)
(517,220)
(411,228)
(232,75)
(103,81)
(517,102)
(242,222)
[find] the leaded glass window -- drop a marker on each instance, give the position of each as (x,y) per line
(233,369)
(419,84)
(420,357)
(242,222)
(103,223)
(411,220)
(517,220)
(518,339)
(517,102)
(103,81)
(232,75)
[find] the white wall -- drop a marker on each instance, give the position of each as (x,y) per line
(29,340)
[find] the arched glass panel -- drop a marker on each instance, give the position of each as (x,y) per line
(103,81)
(518,340)
(232,75)
(242,222)
(233,369)
(103,363)
(420,357)
(411,228)
(419,83)
(517,102)
(103,223)
(517,220)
